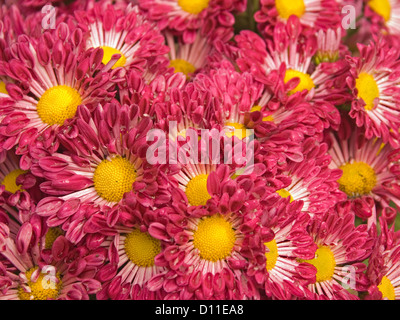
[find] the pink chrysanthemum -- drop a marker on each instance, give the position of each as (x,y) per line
(51,86)
(313,14)
(310,181)
(208,251)
(373,81)
(124,34)
(341,249)
(369,175)
(384,265)
(291,55)
(132,256)
(151,89)
(384,16)
(284,239)
(237,96)
(186,17)
(15,184)
(63,272)
(188,58)
(105,166)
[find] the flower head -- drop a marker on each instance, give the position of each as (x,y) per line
(374,85)
(105,166)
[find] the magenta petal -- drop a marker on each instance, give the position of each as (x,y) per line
(52,164)
(158,231)
(107,272)
(48,206)
(60,248)
(156,283)
(207,285)
(24,237)
(68,208)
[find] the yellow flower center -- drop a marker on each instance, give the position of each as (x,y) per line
(113,178)
(214,238)
(285,194)
(183,66)
(272,255)
(193,6)
(108,52)
(9,181)
(325,263)
(51,236)
(387,289)
(367,89)
(306,83)
(141,248)
(321,57)
(58,104)
(239,130)
(196,190)
(286,8)
(381,7)
(3,87)
(267,118)
(358,179)
(46,286)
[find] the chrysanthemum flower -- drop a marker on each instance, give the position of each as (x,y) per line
(311,181)
(105,166)
(237,96)
(373,81)
(51,86)
(132,253)
(384,16)
(341,249)
(152,88)
(330,46)
(367,170)
(121,32)
(207,254)
(384,265)
(291,55)
(186,17)
(278,272)
(10,172)
(188,58)
(313,14)
(64,274)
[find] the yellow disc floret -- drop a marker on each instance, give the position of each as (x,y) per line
(285,194)
(3,87)
(286,8)
(387,289)
(214,238)
(193,6)
(46,287)
(367,89)
(238,130)
(325,263)
(51,235)
(382,8)
(358,178)
(196,190)
(306,82)
(267,118)
(9,181)
(108,52)
(113,178)
(141,248)
(183,66)
(58,104)
(272,255)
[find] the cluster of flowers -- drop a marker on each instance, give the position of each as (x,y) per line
(84,212)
